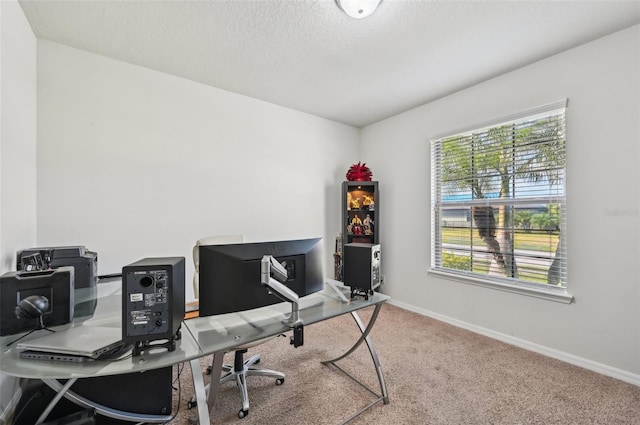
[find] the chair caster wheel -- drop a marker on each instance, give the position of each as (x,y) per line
(243,413)
(191,404)
(279,381)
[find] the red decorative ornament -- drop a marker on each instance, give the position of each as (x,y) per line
(359,173)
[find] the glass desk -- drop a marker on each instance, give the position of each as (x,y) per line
(216,334)
(107,313)
(201,336)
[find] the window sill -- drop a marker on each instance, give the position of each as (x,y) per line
(551,294)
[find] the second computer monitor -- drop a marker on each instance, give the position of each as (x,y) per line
(229,274)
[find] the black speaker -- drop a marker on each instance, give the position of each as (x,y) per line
(152,302)
(361,267)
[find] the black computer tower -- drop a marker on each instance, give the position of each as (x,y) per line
(153,301)
(54,285)
(361,267)
(149,392)
(84,262)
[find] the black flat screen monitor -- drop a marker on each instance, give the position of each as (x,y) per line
(229,274)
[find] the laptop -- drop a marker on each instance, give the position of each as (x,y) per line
(80,342)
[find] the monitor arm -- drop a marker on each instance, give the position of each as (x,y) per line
(272,275)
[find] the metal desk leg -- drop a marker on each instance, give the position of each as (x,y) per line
(55,400)
(206,402)
(199,388)
(374,355)
(364,337)
(216,371)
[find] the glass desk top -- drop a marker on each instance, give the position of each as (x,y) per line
(108,313)
(221,332)
(199,336)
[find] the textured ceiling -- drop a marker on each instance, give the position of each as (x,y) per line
(309,56)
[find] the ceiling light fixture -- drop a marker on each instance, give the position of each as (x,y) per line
(358,9)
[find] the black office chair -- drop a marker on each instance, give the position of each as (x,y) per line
(241,368)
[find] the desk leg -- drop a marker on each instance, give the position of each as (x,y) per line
(374,355)
(206,403)
(216,371)
(199,387)
(61,392)
(364,337)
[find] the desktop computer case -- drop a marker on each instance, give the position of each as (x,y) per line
(148,392)
(55,285)
(84,262)
(362,266)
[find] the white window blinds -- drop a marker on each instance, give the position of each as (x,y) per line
(498,199)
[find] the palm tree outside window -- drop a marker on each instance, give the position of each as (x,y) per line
(498,201)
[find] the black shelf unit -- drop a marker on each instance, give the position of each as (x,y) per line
(360,216)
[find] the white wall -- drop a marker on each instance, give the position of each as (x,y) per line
(601,329)
(17,153)
(135,163)
(17,134)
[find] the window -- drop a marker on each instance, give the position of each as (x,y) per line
(498,199)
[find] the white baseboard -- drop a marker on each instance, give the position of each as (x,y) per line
(603,369)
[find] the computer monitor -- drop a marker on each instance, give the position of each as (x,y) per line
(229,274)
